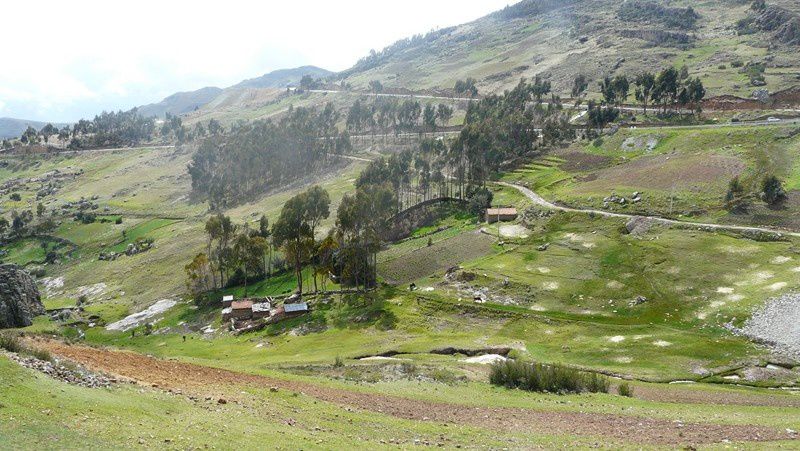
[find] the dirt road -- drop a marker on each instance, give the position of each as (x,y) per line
(201,380)
(542,202)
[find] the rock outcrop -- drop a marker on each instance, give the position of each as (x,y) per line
(19,298)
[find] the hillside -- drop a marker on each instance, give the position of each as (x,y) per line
(283,77)
(599,37)
(181,102)
(12,128)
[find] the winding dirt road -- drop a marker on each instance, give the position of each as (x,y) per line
(542,202)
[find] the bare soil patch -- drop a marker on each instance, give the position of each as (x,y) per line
(186,376)
(665,171)
(438,257)
(581,161)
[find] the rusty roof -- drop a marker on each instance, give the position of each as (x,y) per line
(242,305)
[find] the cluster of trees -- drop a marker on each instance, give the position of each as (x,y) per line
(26,223)
(500,128)
(254,158)
(388,114)
(670,87)
(737,198)
(234,254)
(466,87)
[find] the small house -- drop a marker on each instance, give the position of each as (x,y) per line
(242,309)
(227,300)
(501,214)
(261,310)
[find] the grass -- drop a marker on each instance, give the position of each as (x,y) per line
(546,378)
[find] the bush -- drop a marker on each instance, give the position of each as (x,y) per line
(10,343)
(625,389)
(546,378)
(16,197)
(338,363)
(40,354)
(118,220)
(772,190)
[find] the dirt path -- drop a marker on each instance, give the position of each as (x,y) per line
(540,201)
(203,380)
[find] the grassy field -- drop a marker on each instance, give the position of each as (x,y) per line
(680,172)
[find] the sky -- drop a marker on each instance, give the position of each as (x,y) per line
(64,60)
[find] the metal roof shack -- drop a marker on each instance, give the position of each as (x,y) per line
(295,309)
(226,313)
(501,214)
(261,310)
(227,300)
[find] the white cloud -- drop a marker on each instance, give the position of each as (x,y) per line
(73,59)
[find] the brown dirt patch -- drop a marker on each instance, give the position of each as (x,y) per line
(442,255)
(635,429)
(665,171)
(582,161)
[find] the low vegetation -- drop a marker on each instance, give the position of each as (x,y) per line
(546,378)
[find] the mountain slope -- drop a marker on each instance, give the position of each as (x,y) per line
(13,128)
(559,39)
(181,102)
(283,77)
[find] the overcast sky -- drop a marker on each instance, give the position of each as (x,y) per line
(63,60)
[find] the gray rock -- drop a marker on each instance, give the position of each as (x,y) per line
(762,95)
(20,301)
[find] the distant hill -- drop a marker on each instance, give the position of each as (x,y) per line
(181,102)
(13,128)
(283,77)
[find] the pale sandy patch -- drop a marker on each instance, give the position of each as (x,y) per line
(796,269)
(550,286)
(623,359)
(615,285)
(702,315)
(538,308)
(735,297)
(739,250)
(674,270)
(543,270)
(778,286)
(779,260)
(616,339)
(514,231)
(487,359)
(662,343)
(717,304)
(724,290)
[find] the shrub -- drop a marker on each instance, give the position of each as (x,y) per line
(546,378)
(40,354)
(118,220)
(10,343)
(772,190)
(625,389)
(338,363)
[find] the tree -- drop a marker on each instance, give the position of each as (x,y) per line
(295,228)
(376,86)
(621,89)
(429,117)
(666,88)
(772,191)
(607,90)
(3,226)
(736,197)
(579,86)
(39,210)
(466,87)
(199,275)
(645,87)
(444,113)
(696,94)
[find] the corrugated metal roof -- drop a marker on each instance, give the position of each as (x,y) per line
(262,307)
(242,305)
(299,307)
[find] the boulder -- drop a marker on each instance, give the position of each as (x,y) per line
(20,301)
